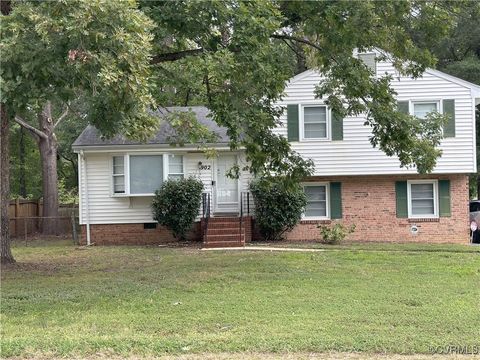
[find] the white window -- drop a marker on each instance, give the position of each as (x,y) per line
(369,60)
(317,201)
(420,109)
(142,175)
(119,174)
(422,199)
(315,122)
(175,167)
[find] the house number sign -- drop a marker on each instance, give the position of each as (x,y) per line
(204,166)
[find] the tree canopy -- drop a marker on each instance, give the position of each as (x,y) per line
(59,51)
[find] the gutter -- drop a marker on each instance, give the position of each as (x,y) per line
(84,180)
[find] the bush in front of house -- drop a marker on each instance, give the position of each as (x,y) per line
(335,234)
(176,205)
(279,205)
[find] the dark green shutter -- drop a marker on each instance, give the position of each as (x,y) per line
(335,200)
(444,197)
(449,109)
(402,106)
(292,122)
(337,126)
(401,199)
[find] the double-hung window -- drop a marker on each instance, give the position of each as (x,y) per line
(420,109)
(119,175)
(175,167)
(422,199)
(315,121)
(317,201)
(142,175)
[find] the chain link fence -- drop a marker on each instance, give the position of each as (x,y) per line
(30,228)
(27,222)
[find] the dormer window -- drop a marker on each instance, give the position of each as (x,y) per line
(369,60)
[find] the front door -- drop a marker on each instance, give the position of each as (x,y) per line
(226,188)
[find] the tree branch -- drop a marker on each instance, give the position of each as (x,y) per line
(65,113)
(297,39)
(175,55)
(34,131)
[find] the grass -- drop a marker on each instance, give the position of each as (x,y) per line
(144,301)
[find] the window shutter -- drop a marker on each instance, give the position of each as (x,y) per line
(335,200)
(402,107)
(444,197)
(401,199)
(449,109)
(337,126)
(292,122)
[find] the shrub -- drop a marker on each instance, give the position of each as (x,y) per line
(279,205)
(335,234)
(177,203)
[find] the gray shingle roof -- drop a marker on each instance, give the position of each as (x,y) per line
(91,136)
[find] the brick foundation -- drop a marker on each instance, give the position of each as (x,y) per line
(369,203)
(133,234)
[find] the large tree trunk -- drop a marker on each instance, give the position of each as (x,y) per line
(6,256)
(48,155)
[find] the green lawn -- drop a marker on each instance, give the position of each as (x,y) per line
(143,301)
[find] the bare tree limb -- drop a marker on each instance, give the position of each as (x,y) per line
(63,116)
(34,131)
(297,39)
(175,55)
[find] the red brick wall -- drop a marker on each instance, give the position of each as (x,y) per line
(132,234)
(369,203)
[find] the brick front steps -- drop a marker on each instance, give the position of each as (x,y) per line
(224,232)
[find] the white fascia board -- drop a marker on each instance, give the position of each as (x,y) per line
(142,148)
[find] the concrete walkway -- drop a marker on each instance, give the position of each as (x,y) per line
(263,248)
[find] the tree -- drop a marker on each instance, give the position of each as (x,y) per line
(56,52)
(237,56)
(25,168)
(6,256)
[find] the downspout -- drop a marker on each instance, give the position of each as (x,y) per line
(85,185)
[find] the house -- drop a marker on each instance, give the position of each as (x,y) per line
(353,182)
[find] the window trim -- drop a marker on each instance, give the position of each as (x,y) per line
(434,182)
(411,105)
(126,162)
(327,200)
(113,175)
(302,123)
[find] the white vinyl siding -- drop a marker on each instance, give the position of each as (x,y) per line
(146,173)
(105,207)
(421,109)
(422,199)
(355,154)
(175,167)
(317,201)
(314,122)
